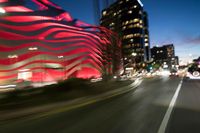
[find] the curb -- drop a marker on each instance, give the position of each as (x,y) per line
(43,111)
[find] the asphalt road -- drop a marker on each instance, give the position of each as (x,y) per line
(138,111)
(186,114)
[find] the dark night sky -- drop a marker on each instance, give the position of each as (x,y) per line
(171,21)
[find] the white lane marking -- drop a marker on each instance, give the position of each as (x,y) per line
(169,110)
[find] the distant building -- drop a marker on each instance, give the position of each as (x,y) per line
(127,18)
(165,56)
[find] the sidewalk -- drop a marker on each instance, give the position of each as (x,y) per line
(52,108)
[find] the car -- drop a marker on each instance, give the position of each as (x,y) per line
(193,71)
(174,72)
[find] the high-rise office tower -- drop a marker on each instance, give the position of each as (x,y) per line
(128,19)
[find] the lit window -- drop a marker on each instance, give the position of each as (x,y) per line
(136,20)
(131,26)
(128,36)
(130,12)
(127,46)
(112,24)
(138,49)
(124,27)
(131,21)
(104,13)
(137,35)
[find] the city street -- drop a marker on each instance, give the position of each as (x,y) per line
(139,111)
(99,66)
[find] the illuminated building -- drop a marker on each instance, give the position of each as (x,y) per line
(43,43)
(127,18)
(165,55)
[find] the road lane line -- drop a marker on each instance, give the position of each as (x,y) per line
(169,110)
